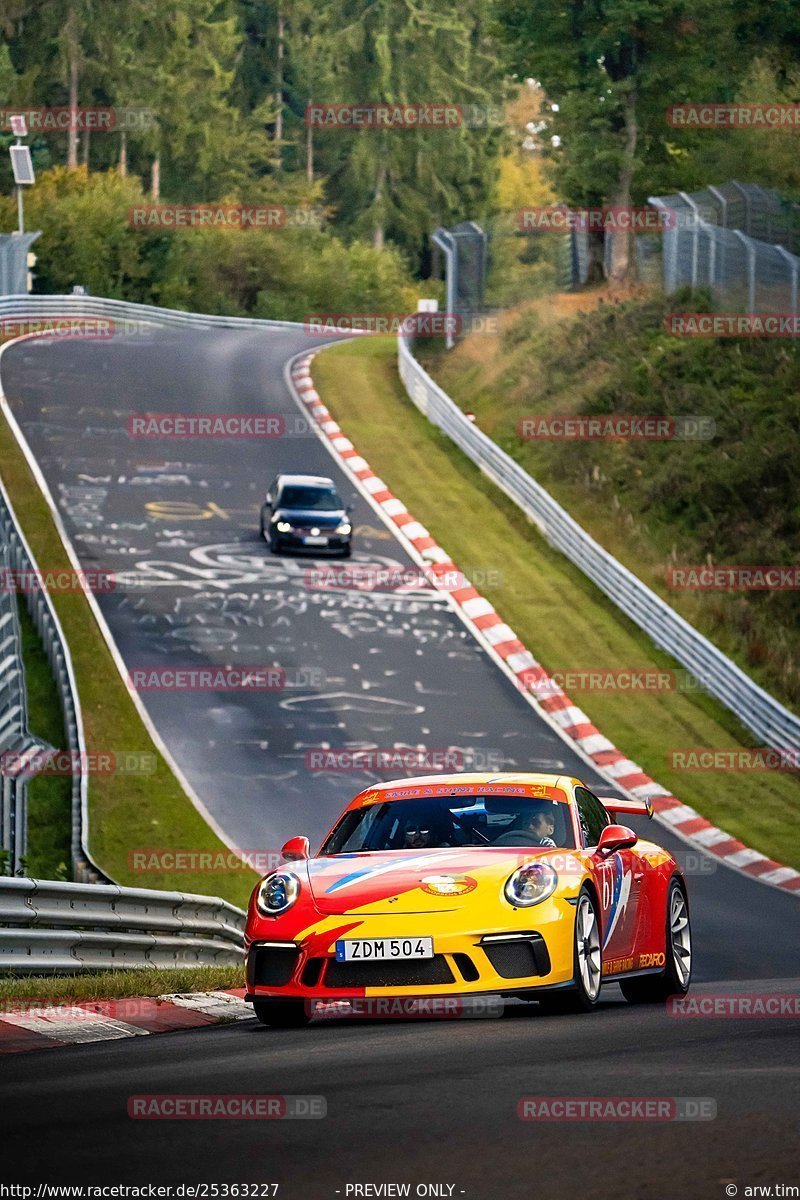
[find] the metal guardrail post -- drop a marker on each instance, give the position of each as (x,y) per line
(750,253)
(444,240)
(748,208)
(696,223)
(792,264)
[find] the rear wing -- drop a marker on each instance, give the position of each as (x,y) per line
(633,808)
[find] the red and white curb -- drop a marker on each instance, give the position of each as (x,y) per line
(46,1025)
(486,623)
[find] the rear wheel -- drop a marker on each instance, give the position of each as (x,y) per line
(587,956)
(674,980)
(281,1014)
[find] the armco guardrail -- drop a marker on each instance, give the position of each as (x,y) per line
(17,557)
(775,725)
(69,928)
(125,312)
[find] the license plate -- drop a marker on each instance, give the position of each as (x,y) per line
(315,541)
(383,949)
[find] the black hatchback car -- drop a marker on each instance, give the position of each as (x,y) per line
(305,512)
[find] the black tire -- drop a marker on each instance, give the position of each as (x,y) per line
(587,961)
(264,532)
(347,552)
(281,1014)
(676,977)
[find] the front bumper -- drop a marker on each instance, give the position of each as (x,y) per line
(535,955)
(295,541)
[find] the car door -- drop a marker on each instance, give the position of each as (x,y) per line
(619,880)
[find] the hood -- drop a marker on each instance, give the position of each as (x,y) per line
(392,881)
(309,516)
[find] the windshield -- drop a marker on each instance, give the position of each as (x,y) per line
(320,499)
(447,821)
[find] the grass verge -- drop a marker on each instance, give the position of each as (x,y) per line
(126,812)
(112,985)
(49,796)
(726,498)
(564,620)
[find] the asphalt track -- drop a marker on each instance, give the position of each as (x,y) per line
(416,1102)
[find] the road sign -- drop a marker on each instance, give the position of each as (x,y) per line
(22,165)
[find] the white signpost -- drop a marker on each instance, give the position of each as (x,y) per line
(21,165)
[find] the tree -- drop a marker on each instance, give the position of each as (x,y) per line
(400,184)
(613,67)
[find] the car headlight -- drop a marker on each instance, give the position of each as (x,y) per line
(283,527)
(530,885)
(277,892)
(345,527)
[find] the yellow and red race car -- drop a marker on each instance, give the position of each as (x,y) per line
(469,884)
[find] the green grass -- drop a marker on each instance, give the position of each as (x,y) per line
(733,499)
(563,619)
(49,796)
(110,985)
(126,812)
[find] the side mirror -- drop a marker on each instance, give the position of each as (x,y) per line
(296,849)
(616,837)
(268,500)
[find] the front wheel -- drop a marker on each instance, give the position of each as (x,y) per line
(587,959)
(674,980)
(281,1014)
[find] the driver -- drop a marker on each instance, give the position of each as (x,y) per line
(417,835)
(540,823)
(429,829)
